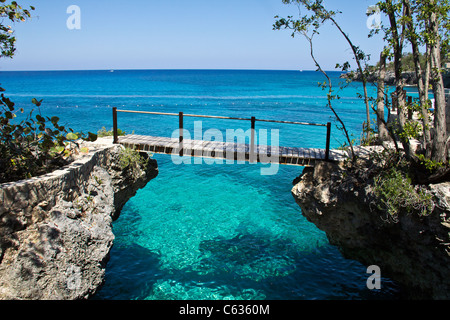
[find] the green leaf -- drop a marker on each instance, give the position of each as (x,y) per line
(71,136)
(36,102)
(57,149)
(40,118)
(54,120)
(91,137)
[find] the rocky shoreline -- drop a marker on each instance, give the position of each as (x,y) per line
(409,77)
(414,251)
(56,230)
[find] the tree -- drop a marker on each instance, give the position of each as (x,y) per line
(37,144)
(423,23)
(311,24)
(437,13)
(319,17)
(395,37)
(12,12)
(419,23)
(422,78)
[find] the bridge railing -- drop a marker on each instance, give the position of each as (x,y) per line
(253,121)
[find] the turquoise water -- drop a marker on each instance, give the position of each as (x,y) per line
(211,231)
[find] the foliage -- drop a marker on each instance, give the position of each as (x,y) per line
(407,63)
(35,145)
(429,165)
(14,13)
(129,158)
(104,133)
(395,194)
(309,26)
(368,136)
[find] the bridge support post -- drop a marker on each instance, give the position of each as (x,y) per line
(252,145)
(327,151)
(115,133)
(181,133)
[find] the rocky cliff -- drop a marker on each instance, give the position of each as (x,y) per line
(56,230)
(414,250)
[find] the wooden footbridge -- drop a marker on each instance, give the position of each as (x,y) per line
(228,150)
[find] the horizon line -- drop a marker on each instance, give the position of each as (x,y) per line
(165,69)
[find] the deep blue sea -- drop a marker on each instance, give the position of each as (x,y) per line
(212,231)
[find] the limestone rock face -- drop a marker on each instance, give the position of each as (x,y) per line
(56,230)
(414,251)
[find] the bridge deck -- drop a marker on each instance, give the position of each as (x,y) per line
(231,151)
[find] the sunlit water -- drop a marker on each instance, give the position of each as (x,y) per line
(212,231)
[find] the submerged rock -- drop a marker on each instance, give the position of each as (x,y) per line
(414,250)
(56,230)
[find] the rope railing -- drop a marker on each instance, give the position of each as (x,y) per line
(253,121)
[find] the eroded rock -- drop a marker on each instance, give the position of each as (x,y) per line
(56,230)
(414,250)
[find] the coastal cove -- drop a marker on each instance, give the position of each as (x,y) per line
(211,231)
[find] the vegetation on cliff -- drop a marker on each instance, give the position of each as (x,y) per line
(421,25)
(388,205)
(37,144)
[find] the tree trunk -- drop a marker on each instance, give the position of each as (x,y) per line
(427,88)
(440,126)
(397,42)
(382,130)
(422,88)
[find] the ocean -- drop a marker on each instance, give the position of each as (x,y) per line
(203,230)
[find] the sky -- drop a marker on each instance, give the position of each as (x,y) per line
(181,34)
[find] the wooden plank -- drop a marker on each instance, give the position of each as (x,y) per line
(289,155)
(301,153)
(240,148)
(317,152)
(290,152)
(307,154)
(321,154)
(207,147)
(218,150)
(261,150)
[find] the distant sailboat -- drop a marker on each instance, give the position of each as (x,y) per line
(111,70)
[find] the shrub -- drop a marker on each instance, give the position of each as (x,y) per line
(35,145)
(395,193)
(129,158)
(104,133)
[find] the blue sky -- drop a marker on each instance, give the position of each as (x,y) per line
(180,34)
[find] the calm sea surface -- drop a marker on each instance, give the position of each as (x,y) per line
(212,231)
